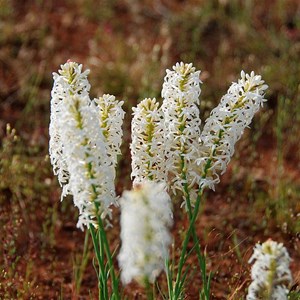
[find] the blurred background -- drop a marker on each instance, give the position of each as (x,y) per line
(127,45)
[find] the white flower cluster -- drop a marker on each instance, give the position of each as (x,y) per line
(81,155)
(91,180)
(193,160)
(270,273)
(168,151)
(225,126)
(181,91)
(111,117)
(147,146)
(145,219)
(70,81)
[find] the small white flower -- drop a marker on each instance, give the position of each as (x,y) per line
(147,146)
(70,81)
(145,218)
(226,125)
(111,117)
(181,91)
(270,272)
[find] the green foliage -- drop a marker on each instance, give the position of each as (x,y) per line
(80,263)
(294,295)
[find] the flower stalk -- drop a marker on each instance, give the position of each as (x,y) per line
(84,159)
(181,91)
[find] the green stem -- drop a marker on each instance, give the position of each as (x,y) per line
(115,281)
(102,282)
(184,246)
(148,289)
(84,261)
(104,277)
(201,258)
(169,273)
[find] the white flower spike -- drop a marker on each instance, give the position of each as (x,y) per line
(270,272)
(78,148)
(69,81)
(91,179)
(147,146)
(145,220)
(111,117)
(181,91)
(226,125)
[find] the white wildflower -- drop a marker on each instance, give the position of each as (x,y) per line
(181,91)
(145,217)
(111,117)
(69,81)
(90,176)
(226,124)
(270,273)
(147,146)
